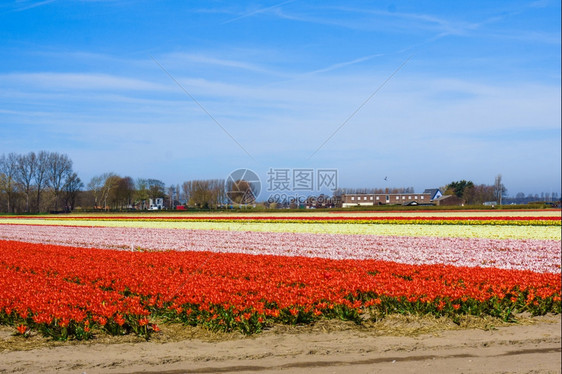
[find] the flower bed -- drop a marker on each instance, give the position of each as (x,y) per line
(460,231)
(527,254)
(395,220)
(67,291)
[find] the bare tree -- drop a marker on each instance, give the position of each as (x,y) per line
(100,189)
(499,189)
(95,185)
(124,192)
(111,183)
(71,187)
(59,169)
(118,191)
(40,176)
(206,194)
(171,194)
(478,194)
(26,165)
(187,188)
(8,170)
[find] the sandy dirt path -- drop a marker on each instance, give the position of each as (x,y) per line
(534,348)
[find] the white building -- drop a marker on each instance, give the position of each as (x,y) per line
(156,204)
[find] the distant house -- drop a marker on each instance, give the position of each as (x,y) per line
(156,204)
(349,200)
(410,198)
(433,192)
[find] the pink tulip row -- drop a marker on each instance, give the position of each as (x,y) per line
(530,254)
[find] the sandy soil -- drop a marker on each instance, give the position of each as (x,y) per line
(396,345)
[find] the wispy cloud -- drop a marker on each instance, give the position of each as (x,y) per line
(424,21)
(176,59)
(345,17)
(257,11)
(528,36)
(345,64)
(539,4)
(79,81)
(21,5)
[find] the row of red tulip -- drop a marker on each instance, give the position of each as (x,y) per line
(67,291)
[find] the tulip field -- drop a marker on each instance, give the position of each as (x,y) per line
(71,276)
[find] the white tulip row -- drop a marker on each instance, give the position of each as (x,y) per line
(524,254)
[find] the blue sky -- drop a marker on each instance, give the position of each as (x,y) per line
(458,90)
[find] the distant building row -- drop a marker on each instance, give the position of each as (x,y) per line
(431,196)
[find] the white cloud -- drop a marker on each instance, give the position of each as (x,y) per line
(180,59)
(22,5)
(344,64)
(253,12)
(374,19)
(79,82)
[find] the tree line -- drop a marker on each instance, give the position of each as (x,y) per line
(109,191)
(37,182)
(477,194)
(45,182)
